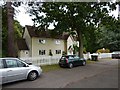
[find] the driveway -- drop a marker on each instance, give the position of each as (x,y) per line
(96,73)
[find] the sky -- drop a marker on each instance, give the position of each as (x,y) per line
(24,18)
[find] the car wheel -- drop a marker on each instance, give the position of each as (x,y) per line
(32,75)
(70,65)
(84,63)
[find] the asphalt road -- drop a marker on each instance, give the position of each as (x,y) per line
(101,74)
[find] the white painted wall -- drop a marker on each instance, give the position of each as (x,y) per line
(49,44)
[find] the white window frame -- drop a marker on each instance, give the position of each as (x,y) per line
(58,51)
(43,52)
(57,41)
(43,41)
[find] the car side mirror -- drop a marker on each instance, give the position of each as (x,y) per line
(25,65)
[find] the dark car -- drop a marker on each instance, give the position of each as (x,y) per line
(116,55)
(71,61)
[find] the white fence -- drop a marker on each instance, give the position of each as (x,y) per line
(42,60)
(100,56)
(55,59)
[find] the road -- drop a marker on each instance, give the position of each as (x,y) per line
(101,74)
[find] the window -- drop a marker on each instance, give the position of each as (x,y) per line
(58,51)
(1,63)
(57,41)
(41,52)
(76,57)
(20,64)
(26,52)
(42,41)
(70,57)
(11,63)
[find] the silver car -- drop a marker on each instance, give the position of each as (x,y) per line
(14,69)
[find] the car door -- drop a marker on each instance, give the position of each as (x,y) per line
(71,59)
(2,72)
(15,71)
(77,60)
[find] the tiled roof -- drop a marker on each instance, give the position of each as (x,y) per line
(21,43)
(45,34)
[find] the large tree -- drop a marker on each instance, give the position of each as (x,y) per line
(109,35)
(17,31)
(11,45)
(75,16)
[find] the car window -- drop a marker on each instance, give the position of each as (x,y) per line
(20,64)
(11,63)
(76,57)
(1,63)
(70,57)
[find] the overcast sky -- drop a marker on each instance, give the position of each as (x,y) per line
(25,19)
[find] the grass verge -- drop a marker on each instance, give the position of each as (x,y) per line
(90,61)
(47,68)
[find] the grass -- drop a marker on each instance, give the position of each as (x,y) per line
(90,61)
(47,68)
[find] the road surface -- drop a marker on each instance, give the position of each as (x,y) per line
(101,74)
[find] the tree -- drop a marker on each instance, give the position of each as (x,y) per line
(69,16)
(109,35)
(11,45)
(17,29)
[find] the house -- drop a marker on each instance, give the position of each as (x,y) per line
(42,44)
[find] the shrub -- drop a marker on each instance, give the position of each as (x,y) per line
(64,53)
(103,51)
(84,50)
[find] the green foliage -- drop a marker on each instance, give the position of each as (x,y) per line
(75,48)
(109,36)
(82,17)
(64,53)
(103,51)
(84,50)
(17,30)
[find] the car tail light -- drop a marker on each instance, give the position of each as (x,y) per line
(66,60)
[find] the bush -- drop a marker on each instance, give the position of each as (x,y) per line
(103,51)
(64,53)
(84,50)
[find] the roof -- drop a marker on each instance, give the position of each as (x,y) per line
(21,43)
(45,34)
(8,58)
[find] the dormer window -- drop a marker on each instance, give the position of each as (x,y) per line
(42,41)
(57,41)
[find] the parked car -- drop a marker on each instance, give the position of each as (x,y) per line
(14,69)
(71,61)
(116,55)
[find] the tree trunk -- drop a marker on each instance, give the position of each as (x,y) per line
(11,44)
(80,39)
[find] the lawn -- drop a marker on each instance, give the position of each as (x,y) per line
(47,68)
(90,61)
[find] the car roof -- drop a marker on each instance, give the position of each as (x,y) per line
(8,58)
